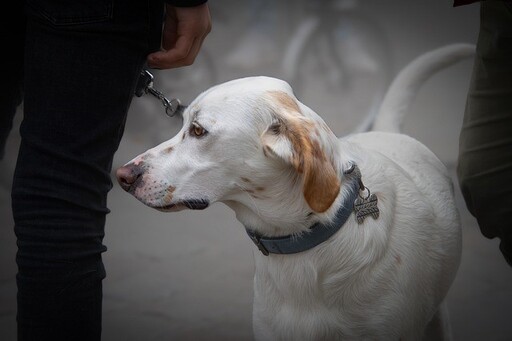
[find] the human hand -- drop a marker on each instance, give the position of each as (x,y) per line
(185,29)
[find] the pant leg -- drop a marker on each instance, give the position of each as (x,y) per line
(12,33)
(82,61)
(485,153)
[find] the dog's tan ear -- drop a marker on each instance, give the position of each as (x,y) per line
(290,139)
(321,184)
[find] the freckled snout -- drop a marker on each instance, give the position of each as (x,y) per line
(129,176)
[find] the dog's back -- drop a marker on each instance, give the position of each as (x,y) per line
(426,221)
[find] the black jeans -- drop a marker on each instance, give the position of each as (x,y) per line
(81,59)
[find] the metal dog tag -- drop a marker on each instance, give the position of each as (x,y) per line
(365,207)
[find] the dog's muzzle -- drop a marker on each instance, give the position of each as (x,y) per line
(130,177)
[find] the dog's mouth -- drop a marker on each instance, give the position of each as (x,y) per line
(193,204)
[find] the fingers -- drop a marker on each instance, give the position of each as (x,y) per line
(184,32)
(182,54)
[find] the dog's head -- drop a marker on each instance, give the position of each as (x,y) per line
(248,142)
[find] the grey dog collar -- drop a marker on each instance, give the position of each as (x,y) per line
(318,233)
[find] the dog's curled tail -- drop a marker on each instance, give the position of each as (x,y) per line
(403,89)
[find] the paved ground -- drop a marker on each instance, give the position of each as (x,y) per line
(188,275)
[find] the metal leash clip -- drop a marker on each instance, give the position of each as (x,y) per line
(145,85)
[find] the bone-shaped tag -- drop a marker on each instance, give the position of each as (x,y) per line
(365,207)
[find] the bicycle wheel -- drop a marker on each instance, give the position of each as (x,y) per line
(342,69)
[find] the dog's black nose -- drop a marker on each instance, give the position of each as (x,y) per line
(129,176)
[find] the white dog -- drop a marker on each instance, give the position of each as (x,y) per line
(359,236)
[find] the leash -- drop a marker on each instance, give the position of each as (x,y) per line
(319,233)
(145,86)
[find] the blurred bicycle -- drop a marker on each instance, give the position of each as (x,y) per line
(339,61)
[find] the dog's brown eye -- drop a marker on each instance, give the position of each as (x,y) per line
(275,128)
(197,130)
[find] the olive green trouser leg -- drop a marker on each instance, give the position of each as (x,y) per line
(485,147)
